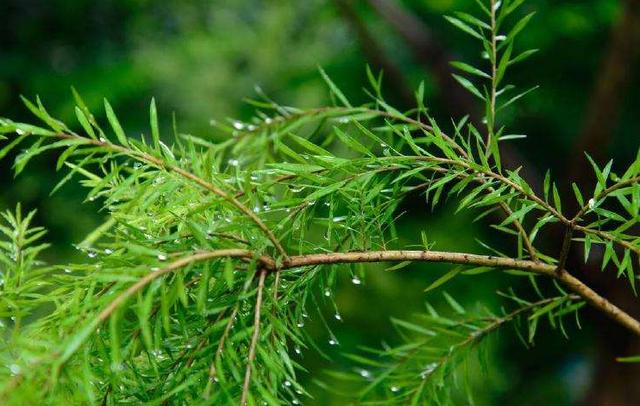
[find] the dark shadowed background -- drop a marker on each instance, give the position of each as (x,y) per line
(201,58)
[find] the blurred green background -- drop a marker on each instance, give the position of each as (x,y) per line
(201,58)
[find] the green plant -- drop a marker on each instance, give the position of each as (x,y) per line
(198,284)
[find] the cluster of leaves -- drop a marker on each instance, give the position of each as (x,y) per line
(174,301)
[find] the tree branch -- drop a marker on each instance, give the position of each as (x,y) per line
(269,265)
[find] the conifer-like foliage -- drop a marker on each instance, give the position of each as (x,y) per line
(197,287)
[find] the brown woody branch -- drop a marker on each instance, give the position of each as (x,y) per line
(268,264)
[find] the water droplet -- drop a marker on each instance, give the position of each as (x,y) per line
(592,203)
(333,341)
(297,350)
(15,369)
(338,317)
(238,125)
(327,292)
(162,257)
(20,131)
(268,120)
(137,165)
(295,401)
(67,270)
(233,162)
(108,251)
(256,209)
(92,254)
(356,280)
(428,370)
(155,269)
(365,374)
(338,219)
(394,389)
(287,383)
(300,324)
(501,37)
(497,5)
(485,55)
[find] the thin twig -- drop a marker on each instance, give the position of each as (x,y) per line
(157,162)
(492,103)
(254,339)
(566,246)
(605,193)
(212,368)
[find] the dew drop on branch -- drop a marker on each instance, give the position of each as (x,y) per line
(15,369)
(428,370)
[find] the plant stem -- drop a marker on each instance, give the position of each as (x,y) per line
(269,265)
(494,62)
(254,339)
(157,162)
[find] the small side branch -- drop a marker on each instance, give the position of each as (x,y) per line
(566,246)
(254,340)
(159,163)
